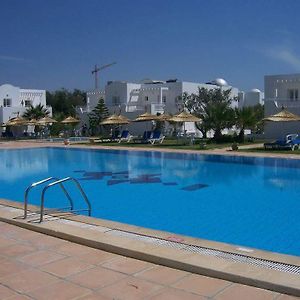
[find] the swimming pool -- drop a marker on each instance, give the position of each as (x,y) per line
(247,201)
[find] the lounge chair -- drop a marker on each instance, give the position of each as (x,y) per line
(156,137)
(146,137)
(291,142)
(125,136)
(115,135)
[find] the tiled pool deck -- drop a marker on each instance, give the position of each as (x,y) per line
(37,266)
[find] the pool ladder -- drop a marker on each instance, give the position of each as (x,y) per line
(53,182)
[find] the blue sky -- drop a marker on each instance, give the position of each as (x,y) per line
(54,44)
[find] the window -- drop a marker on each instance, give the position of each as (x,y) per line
(115,100)
(293,94)
(27,103)
(146,98)
(164,99)
(7,102)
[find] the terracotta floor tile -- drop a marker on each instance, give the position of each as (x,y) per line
(6,228)
(20,297)
(287,297)
(17,250)
(130,288)
(96,257)
(162,275)
(202,285)
(96,278)
(6,292)
(71,249)
(239,291)
(175,294)
(41,257)
(127,265)
(61,290)
(45,242)
(94,296)
(8,267)
(28,280)
(66,267)
(5,241)
(21,234)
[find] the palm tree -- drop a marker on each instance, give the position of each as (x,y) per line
(36,112)
(214,108)
(247,118)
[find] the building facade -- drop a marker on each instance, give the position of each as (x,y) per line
(14,101)
(153,96)
(281,91)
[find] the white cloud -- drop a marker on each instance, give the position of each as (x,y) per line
(285,55)
(11,58)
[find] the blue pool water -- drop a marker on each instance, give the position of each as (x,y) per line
(246,201)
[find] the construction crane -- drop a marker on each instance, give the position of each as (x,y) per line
(97,69)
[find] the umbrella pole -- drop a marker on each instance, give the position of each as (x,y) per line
(184,133)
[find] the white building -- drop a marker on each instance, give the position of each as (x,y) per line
(250,98)
(153,96)
(14,101)
(282,91)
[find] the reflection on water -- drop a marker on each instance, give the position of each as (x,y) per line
(17,164)
(282,178)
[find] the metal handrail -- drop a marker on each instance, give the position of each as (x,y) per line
(39,183)
(60,182)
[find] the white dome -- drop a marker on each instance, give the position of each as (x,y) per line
(255,91)
(220,82)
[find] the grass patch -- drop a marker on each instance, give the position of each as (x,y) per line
(170,144)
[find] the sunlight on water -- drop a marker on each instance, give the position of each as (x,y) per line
(245,201)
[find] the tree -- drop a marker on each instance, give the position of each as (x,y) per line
(36,112)
(247,118)
(98,114)
(64,101)
(213,106)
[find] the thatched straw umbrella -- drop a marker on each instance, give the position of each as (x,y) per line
(115,120)
(283,116)
(146,117)
(45,121)
(70,120)
(184,117)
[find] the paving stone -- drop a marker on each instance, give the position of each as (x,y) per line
(28,280)
(61,290)
(175,294)
(130,288)
(41,257)
(202,285)
(96,278)
(162,275)
(65,267)
(5,292)
(236,291)
(127,265)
